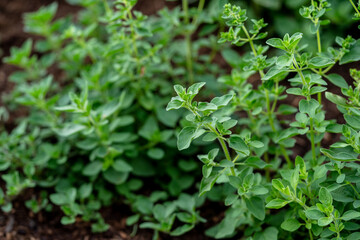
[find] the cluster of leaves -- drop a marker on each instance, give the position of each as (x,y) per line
(314,190)
(279,11)
(95,90)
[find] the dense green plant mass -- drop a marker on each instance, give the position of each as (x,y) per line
(317,192)
(97,130)
(97,127)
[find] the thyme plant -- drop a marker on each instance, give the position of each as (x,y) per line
(277,192)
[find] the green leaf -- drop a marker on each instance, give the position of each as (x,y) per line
(309,107)
(256,207)
(277,203)
(274,72)
(207,184)
(156,153)
(295,91)
(287,109)
(187,135)
(70,129)
(284,60)
(290,225)
(121,166)
(115,177)
(180,90)
(349,215)
(132,219)
(93,168)
(271,233)
(336,99)
(354,236)
(222,101)
(66,220)
(235,182)
(340,178)
(182,230)
(320,62)
(353,120)
(85,190)
(110,108)
(238,144)
(277,184)
(175,103)
(337,80)
(259,190)
(325,197)
(314,214)
(194,89)
(324,221)
(276,43)
(256,162)
(226,163)
(340,154)
(353,55)
(230,199)
(59,199)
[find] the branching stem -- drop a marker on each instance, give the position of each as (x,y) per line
(356,9)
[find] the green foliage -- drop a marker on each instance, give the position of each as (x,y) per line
(316,192)
(98,129)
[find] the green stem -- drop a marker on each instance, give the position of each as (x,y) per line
(319,50)
(312,139)
(267,171)
(133,34)
(96,126)
(270,109)
(107,8)
(287,158)
(224,147)
(269,112)
(299,71)
(318,40)
(189,58)
(356,9)
(310,235)
(352,186)
(199,10)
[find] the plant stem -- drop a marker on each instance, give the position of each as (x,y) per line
(312,138)
(356,9)
(318,40)
(319,50)
(189,63)
(133,34)
(267,172)
(270,109)
(199,10)
(107,8)
(352,186)
(313,153)
(310,234)
(287,158)
(299,71)
(224,147)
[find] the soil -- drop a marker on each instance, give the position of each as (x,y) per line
(22,223)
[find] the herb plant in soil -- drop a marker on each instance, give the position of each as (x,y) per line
(274,193)
(95,88)
(97,131)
